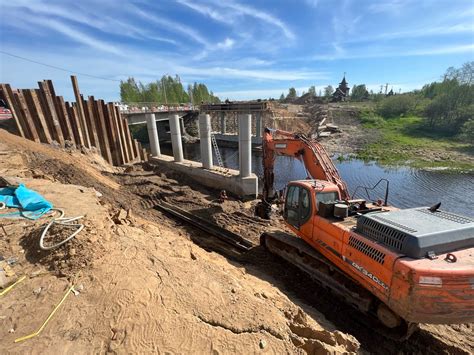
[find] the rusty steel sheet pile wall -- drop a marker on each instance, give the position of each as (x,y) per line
(42,116)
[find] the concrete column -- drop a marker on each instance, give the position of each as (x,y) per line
(223,123)
(245,145)
(205,134)
(258,122)
(153,134)
(181,124)
(176,139)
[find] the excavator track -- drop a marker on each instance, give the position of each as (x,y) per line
(299,253)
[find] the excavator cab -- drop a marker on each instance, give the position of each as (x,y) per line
(304,198)
(298,205)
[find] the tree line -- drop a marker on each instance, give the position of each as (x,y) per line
(358,93)
(168,90)
(447,105)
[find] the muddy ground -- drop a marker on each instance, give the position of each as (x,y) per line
(149,283)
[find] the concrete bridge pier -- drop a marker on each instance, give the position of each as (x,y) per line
(248,181)
(223,123)
(258,124)
(242,183)
(205,140)
(176,139)
(153,134)
(245,145)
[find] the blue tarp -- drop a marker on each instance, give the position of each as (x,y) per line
(31,204)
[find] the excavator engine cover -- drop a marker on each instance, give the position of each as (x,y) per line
(418,232)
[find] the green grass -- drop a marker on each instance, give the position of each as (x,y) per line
(407,141)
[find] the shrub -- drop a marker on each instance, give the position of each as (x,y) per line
(467,131)
(396,106)
(372,121)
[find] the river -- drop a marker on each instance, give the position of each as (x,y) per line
(408,187)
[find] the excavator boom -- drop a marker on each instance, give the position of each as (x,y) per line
(312,154)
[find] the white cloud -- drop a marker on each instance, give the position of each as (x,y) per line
(228,43)
(206,10)
(172,26)
(395,53)
(312,3)
(81,15)
(74,34)
(391,7)
(425,31)
(276,75)
(241,9)
(262,93)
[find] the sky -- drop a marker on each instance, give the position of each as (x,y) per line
(239,49)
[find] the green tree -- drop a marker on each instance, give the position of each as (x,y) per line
(452,101)
(312,90)
(467,131)
(359,93)
(328,91)
(291,94)
(166,90)
(130,91)
(282,97)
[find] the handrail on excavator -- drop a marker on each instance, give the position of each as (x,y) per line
(373,188)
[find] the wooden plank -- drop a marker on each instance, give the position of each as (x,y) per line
(80,112)
(36,111)
(25,112)
(102,131)
(61,112)
(118,129)
(142,151)
(67,122)
(51,114)
(123,137)
(111,134)
(9,99)
(137,149)
(128,139)
(89,126)
(91,122)
(76,127)
(44,110)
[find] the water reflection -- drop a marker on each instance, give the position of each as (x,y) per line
(408,187)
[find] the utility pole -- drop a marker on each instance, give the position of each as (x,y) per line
(381,87)
(386,87)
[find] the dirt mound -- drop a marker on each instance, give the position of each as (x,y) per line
(350,137)
(308,98)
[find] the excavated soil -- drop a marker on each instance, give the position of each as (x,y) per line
(147,282)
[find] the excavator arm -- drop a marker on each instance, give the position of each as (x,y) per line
(312,154)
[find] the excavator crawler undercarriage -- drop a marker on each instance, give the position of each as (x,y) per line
(297,252)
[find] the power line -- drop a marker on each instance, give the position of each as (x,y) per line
(57,68)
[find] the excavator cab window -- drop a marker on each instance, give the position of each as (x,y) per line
(326,197)
(297,206)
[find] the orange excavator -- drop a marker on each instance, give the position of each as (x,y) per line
(401,267)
